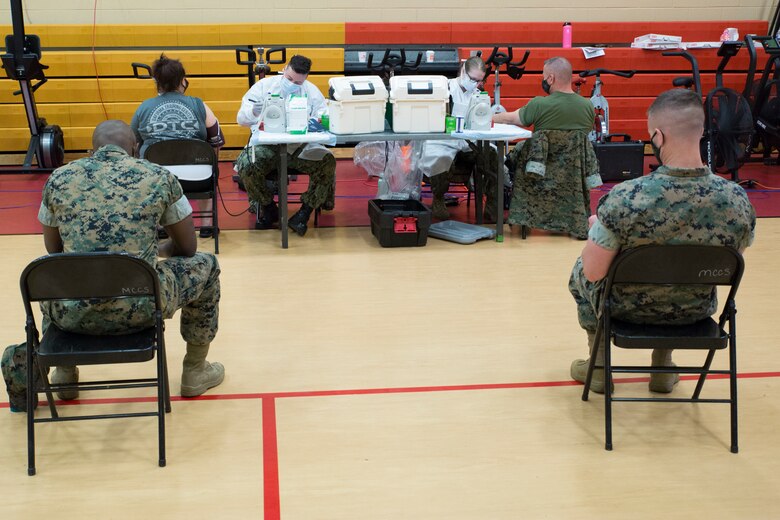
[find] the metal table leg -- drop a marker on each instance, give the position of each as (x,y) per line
(478,180)
(500,145)
(283,193)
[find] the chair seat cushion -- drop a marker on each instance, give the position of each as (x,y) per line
(704,334)
(59,347)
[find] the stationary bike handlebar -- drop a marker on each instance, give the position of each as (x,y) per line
(499,58)
(694,65)
(598,72)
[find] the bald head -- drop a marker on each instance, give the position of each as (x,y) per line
(557,73)
(114,132)
(678,113)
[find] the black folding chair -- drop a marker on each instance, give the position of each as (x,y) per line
(181,153)
(96,277)
(671,265)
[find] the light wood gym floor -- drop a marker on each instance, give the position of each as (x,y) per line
(417,383)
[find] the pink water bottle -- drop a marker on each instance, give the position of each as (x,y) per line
(566,35)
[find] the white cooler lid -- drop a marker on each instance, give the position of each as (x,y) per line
(358,88)
(419,88)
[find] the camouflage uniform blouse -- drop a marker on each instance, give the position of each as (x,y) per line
(672,206)
(110,202)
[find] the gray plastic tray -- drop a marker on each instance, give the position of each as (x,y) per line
(460,232)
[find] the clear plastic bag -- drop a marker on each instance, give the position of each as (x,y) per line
(371,156)
(401,178)
(396,165)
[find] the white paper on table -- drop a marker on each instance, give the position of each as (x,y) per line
(261,137)
(497,132)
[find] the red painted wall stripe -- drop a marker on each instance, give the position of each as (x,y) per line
(270,461)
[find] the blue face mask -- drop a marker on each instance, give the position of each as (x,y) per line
(289,88)
(468,83)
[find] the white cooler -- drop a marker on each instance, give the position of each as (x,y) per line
(419,103)
(359,105)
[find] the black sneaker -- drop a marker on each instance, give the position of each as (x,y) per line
(207,232)
(299,221)
(268,217)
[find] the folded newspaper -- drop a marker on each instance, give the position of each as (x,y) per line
(663,42)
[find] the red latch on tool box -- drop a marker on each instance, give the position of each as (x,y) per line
(405,225)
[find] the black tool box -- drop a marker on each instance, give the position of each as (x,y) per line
(620,160)
(399,223)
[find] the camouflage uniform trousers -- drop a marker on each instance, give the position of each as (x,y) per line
(322,174)
(656,305)
(187,283)
(486,162)
(550,189)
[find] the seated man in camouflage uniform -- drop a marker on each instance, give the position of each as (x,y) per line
(114,202)
(442,161)
(258,161)
(682,202)
(557,167)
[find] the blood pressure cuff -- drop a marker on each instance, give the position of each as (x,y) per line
(214,135)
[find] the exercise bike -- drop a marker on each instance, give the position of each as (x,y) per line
(762,97)
(600,132)
(728,121)
(618,160)
(514,70)
(22,63)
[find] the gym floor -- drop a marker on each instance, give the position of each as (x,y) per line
(422,383)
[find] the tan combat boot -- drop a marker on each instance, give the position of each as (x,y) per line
(579,367)
(199,375)
(439,209)
(663,383)
(66,375)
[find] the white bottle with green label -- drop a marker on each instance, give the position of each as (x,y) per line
(297,114)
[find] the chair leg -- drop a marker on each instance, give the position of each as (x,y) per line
(47,389)
(30,410)
(733,383)
(167,382)
(592,364)
(703,375)
(607,386)
(215,220)
(523,231)
(162,392)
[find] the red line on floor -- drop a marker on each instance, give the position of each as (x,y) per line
(399,390)
(270,461)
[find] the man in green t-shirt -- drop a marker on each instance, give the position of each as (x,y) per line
(555,169)
(562,109)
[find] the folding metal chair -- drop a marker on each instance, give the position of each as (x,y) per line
(671,265)
(96,277)
(190,159)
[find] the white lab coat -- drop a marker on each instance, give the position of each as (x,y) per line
(437,156)
(260,91)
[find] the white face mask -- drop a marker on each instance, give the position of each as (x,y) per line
(289,88)
(467,83)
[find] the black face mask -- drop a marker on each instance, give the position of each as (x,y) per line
(656,149)
(545,86)
(186,85)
